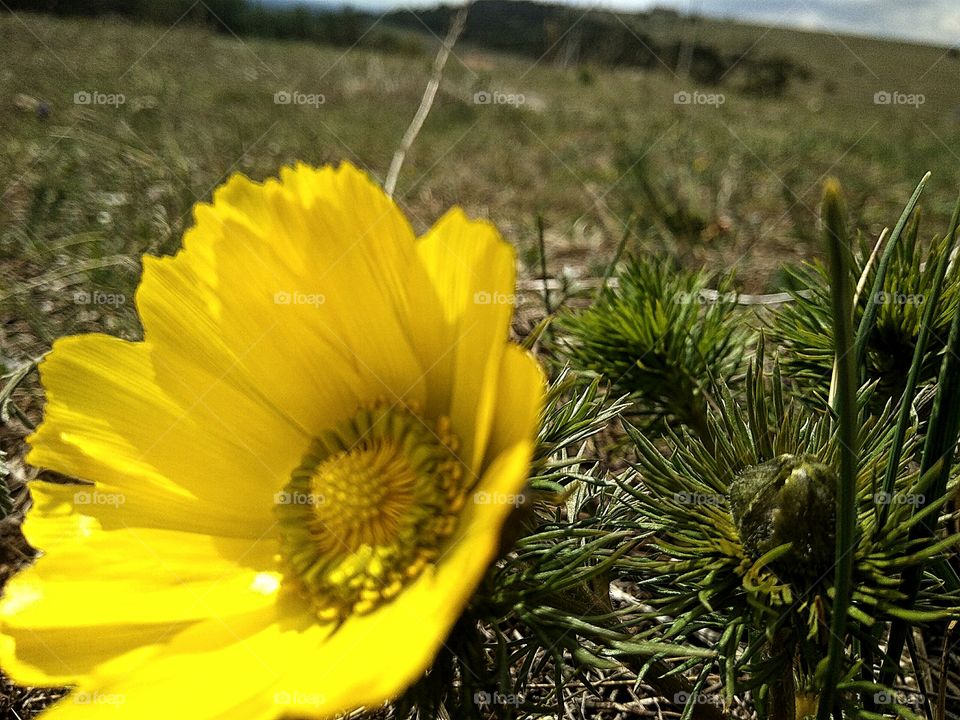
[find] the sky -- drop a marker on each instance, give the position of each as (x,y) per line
(931,21)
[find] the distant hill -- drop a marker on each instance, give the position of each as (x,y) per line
(708,51)
(333,24)
(571,36)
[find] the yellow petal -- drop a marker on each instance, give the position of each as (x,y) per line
(96,594)
(107,420)
(292,291)
(463,322)
(521,389)
(221,668)
(50,658)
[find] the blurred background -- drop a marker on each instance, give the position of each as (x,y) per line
(690,127)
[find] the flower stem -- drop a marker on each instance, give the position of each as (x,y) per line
(845,407)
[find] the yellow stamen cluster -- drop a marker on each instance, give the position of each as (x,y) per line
(369,508)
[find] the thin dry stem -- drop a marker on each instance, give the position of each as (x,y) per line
(427,101)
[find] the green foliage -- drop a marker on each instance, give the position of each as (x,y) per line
(702,570)
(92,188)
(803,328)
(657,335)
(739,520)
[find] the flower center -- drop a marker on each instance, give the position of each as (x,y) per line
(369,507)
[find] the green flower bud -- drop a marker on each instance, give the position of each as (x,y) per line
(790,499)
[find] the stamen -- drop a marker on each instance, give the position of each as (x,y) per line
(369,508)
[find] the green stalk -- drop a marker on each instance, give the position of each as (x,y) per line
(845,407)
(929,313)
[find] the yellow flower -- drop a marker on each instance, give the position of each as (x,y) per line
(300,474)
